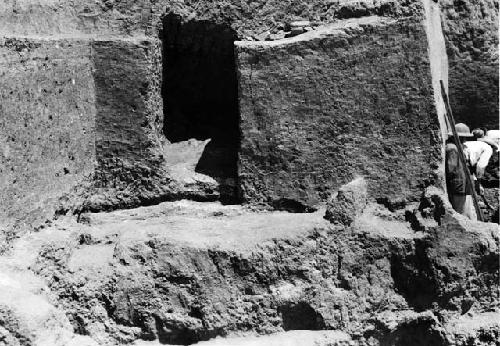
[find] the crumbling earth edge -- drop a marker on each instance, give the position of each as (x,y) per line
(420,274)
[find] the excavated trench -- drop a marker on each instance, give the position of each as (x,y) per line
(200,95)
(240,271)
(182,273)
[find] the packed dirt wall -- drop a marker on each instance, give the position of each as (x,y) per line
(357,97)
(132,147)
(470,28)
(48,124)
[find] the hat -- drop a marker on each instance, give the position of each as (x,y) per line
(462,130)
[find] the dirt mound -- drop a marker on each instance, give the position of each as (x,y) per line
(185,272)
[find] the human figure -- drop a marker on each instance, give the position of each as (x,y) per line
(458,186)
(493,135)
(480,136)
(492,174)
(479,154)
(483,156)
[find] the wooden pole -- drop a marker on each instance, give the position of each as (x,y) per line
(461,154)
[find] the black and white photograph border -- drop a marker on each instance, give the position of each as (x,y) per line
(249,173)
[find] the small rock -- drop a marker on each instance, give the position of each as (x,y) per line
(348,203)
(295,32)
(85,238)
(300,23)
(297,24)
(277,36)
(263,36)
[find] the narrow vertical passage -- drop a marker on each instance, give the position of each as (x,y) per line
(200,95)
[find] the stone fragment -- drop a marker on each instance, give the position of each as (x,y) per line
(297,24)
(263,36)
(277,36)
(297,27)
(300,23)
(348,202)
(295,31)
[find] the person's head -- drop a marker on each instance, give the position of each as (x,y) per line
(463,132)
(478,133)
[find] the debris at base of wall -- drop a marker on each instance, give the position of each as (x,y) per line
(348,202)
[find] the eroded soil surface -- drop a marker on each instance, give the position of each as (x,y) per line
(186,272)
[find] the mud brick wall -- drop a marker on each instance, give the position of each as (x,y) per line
(47,123)
(80,122)
(113,35)
(129,121)
(70,17)
(354,98)
(471,29)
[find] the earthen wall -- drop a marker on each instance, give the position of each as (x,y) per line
(47,122)
(112,104)
(129,110)
(322,108)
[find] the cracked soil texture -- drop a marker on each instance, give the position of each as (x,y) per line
(185,272)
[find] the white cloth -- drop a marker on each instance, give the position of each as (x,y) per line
(478,153)
(494,135)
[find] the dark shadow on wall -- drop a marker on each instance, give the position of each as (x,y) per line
(300,316)
(200,95)
(414,277)
(474,93)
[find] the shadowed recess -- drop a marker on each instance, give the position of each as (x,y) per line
(200,94)
(300,316)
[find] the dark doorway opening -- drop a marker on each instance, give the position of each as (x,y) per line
(200,95)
